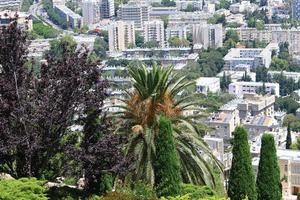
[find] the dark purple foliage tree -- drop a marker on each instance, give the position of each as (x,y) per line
(37,111)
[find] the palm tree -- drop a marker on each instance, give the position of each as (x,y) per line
(155,92)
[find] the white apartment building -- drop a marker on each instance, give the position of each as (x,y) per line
(120,35)
(209,35)
(176,31)
(207,84)
(237,75)
(240,88)
(90,12)
(249,56)
(13,5)
(216,145)
(138,12)
(154,31)
(107,8)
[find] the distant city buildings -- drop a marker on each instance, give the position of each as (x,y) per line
(157,12)
(138,12)
(154,31)
(121,34)
(209,35)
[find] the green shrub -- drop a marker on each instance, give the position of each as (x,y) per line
(22,189)
(196,192)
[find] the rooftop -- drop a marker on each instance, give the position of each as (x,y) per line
(207,80)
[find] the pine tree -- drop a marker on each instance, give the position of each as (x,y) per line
(241,180)
(166,164)
(288,138)
(268,177)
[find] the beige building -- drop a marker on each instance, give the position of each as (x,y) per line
(120,35)
(254,105)
(154,31)
(223,124)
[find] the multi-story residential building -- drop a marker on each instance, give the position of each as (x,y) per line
(24,20)
(13,5)
(72,19)
(90,12)
(207,84)
(154,31)
(176,31)
(157,12)
(254,105)
(249,56)
(295,7)
(139,12)
(107,8)
(120,35)
(241,88)
(209,35)
(223,124)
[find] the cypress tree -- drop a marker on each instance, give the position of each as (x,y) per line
(288,138)
(241,179)
(166,164)
(268,177)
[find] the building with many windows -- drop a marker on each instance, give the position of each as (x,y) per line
(154,31)
(24,19)
(138,12)
(209,35)
(107,8)
(240,88)
(176,31)
(90,12)
(120,35)
(253,57)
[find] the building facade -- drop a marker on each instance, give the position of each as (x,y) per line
(71,19)
(121,35)
(154,31)
(107,8)
(241,88)
(207,84)
(90,12)
(138,12)
(209,35)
